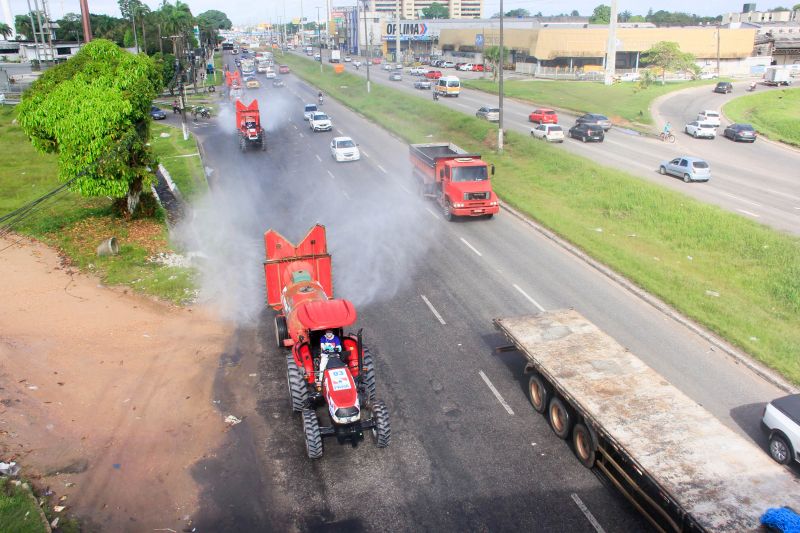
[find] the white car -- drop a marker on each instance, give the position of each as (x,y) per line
(309,110)
(356,63)
(344,149)
(466,67)
(319,121)
(387,66)
(782,419)
(701,129)
(548,132)
(709,116)
(270,73)
(630,76)
(347,59)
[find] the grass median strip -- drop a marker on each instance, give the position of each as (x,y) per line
(775,113)
(181,159)
(76,225)
(738,278)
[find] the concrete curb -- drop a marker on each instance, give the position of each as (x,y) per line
(737,355)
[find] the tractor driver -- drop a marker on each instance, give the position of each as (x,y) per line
(329,345)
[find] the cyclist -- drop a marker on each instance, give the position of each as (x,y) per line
(667,128)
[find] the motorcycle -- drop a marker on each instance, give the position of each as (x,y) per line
(204,112)
(752,87)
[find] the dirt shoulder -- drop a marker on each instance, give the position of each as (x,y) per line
(105,396)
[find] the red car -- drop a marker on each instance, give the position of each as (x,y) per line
(543,116)
(477,67)
(376,60)
(283,69)
(433,74)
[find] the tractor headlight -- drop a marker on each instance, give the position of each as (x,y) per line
(346,415)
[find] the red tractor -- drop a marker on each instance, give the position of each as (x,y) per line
(299,283)
(248,124)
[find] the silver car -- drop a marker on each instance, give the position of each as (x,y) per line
(687,168)
(492,114)
(422,84)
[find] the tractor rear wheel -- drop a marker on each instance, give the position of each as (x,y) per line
(242,144)
(298,388)
(382,432)
(281,330)
(369,375)
(313,436)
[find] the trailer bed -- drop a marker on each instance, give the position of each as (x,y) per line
(722,480)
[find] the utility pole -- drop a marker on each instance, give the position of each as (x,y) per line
(368,59)
(397,33)
(87,24)
(35,40)
(611,48)
(181,88)
(319,40)
(719,30)
(500,87)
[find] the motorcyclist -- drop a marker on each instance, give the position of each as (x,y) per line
(752,86)
(330,345)
(435,95)
(176,107)
(320,97)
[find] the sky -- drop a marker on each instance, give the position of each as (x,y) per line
(246,12)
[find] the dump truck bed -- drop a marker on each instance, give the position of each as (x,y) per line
(722,480)
(430,152)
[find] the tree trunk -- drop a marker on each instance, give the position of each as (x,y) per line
(134,193)
(144,38)
(160,41)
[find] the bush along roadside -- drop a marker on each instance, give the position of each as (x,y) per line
(739,279)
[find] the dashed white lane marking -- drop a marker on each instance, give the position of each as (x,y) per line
(340,131)
(433,310)
(295,125)
(785,195)
(301,134)
(749,213)
(589,516)
(741,199)
(531,300)
(382,169)
(404,188)
(365,154)
(346,195)
(318,158)
(496,393)
(471,247)
(331,175)
(428,209)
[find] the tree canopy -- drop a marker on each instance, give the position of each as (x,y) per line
(5,30)
(214,19)
(518,13)
(436,11)
(93,111)
(491,55)
(601,15)
(667,55)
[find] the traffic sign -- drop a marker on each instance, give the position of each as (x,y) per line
(479,39)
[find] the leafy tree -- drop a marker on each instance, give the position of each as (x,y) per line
(636,18)
(93,111)
(796,7)
(518,13)
(666,55)
(775,9)
(574,13)
(22,23)
(5,30)
(214,19)
(69,28)
(625,16)
(127,40)
(436,11)
(601,15)
(491,55)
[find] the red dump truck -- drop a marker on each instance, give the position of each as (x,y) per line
(248,126)
(677,464)
(457,180)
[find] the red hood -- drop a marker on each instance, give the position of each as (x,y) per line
(340,388)
(472,186)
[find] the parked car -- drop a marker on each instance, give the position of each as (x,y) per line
(740,132)
(687,168)
(594,118)
(701,129)
(709,116)
(706,76)
(723,87)
(464,66)
(357,63)
(630,76)
(543,116)
(309,110)
(348,59)
(548,132)
(433,74)
(478,67)
(781,418)
(387,66)
(448,64)
(344,149)
(492,114)
(376,60)
(157,113)
(319,121)
(422,84)
(284,69)
(587,132)
(395,76)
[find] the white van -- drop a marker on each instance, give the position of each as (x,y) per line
(448,86)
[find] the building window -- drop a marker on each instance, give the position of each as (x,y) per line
(63,50)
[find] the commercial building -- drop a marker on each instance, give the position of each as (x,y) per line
(412,9)
(758,17)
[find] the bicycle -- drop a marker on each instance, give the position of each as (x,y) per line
(666,137)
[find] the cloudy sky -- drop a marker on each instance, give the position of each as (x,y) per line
(246,12)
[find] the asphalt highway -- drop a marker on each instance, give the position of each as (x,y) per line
(758,181)
(468,452)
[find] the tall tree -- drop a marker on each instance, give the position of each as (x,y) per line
(518,13)
(601,15)
(491,55)
(22,23)
(93,111)
(625,16)
(667,55)
(5,30)
(436,11)
(574,13)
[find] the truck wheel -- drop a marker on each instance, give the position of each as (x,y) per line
(382,432)
(584,445)
(242,144)
(263,145)
(538,393)
(447,212)
(298,388)
(560,419)
(313,436)
(281,330)
(369,375)
(779,449)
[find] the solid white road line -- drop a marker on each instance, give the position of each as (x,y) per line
(741,199)
(318,158)
(496,393)
(340,131)
(749,213)
(589,516)
(531,300)
(471,247)
(301,134)
(433,310)
(428,209)
(365,154)
(331,175)
(382,169)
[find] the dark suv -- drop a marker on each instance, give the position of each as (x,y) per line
(587,132)
(723,87)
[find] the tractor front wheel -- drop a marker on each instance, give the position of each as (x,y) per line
(382,432)
(298,388)
(281,330)
(313,435)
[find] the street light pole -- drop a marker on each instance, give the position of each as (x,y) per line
(319,40)
(367,56)
(719,30)
(500,88)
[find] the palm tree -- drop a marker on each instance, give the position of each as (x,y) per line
(5,30)
(143,12)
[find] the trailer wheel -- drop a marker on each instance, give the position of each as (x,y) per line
(382,432)
(584,445)
(559,416)
(298,388)
(369,375)
(538,393)
(313,436)
(281,330)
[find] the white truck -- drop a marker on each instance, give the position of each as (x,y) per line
(674,461)
(336,56)
(777,76)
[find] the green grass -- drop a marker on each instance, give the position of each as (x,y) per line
(181,159)
(775,114)
(18,512)
(684,251)
(622,102)
(77,225)
(218,68)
